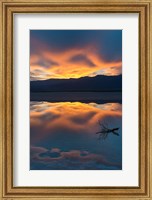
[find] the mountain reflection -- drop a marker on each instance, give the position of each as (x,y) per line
(63,136)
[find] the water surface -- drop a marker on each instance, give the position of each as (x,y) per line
(63,136)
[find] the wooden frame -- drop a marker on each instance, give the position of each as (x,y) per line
(8,8)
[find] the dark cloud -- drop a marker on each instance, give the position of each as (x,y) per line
(83,119)
(108,43)
(81,59)
(47,117)
(46,63)
(50,154)
(69,160)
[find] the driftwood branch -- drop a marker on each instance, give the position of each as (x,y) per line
(105,131)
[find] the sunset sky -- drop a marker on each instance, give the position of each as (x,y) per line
(63,54)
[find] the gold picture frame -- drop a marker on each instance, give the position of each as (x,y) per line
(7,9)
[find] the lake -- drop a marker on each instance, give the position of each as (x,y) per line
(70,131)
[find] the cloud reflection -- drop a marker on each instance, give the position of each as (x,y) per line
(63,136)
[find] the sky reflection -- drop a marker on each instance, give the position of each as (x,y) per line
(63,136)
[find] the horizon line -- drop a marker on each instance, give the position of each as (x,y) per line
(75,78)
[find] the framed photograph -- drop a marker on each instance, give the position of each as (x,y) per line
(75,99)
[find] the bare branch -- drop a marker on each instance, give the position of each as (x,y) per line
(103,134)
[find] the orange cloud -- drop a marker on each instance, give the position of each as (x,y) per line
(77,117)
(74,63)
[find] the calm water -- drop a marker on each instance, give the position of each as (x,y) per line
(63,136)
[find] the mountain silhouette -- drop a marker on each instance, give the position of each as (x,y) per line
(84,84)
